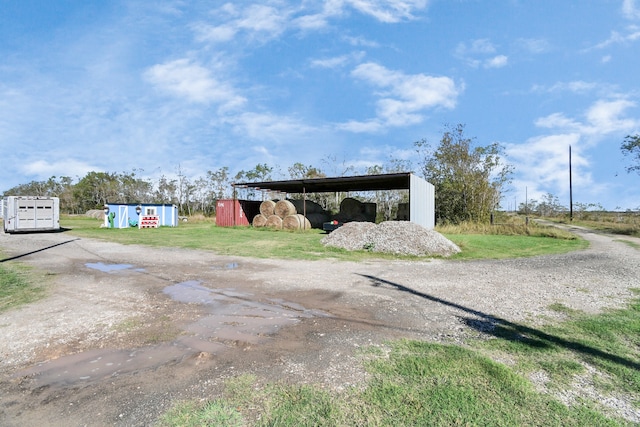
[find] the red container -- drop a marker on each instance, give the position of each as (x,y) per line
(232,212)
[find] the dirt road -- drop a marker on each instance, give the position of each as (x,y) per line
(126,331)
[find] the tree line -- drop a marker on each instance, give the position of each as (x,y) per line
(469,179)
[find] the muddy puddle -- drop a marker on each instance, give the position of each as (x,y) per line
(107,268)
(232,318)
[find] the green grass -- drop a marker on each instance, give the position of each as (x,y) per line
(480,246)
(190,414)
(266,243)
(415,383)
(609,341)
(17,287)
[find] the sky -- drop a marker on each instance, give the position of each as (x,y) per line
(193,86)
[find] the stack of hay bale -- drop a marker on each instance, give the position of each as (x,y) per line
(280,214)
(298,214)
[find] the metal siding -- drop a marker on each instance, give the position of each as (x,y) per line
(168,215)
(163,215)
(31,213)
(225,212)
(421,202)
(232,212)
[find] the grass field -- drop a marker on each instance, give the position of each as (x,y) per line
(267,243)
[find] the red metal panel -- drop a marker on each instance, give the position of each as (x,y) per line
(230,212)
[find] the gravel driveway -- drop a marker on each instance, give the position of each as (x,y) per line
(126,331)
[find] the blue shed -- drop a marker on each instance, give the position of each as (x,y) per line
(141,215)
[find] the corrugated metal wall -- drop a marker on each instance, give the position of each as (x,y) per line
(422,202)
(232,212)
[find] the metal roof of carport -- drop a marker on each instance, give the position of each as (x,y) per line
(393,181)
(421,193)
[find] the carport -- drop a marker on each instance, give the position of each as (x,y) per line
(421,192)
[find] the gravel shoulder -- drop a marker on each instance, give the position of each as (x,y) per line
(175,323)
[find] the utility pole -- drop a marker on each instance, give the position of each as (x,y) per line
(570,189)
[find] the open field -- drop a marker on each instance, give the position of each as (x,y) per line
(266,243)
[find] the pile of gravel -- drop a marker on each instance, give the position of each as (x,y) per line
(396,237)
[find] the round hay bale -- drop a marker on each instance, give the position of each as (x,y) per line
(296,222)
(274,221)
(95,213)
(403,211)
(350,207)
(308,206)
(267,208)
(259,221)
(284,208)
(317,219)
(299,204)
(369,211)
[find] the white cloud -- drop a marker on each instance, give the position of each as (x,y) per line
(218,34)
(576,86)
(402,97)
(535,46)
(314,21)
(43,169)
(601,118)
(475,47)
(269,127)
(361,41)
(368,126)
(605,117)
(189,80)
(496,62)
(630,9)
(263,19)
(258,22)
(631,35)
(557,121)
(337,61)
(480,52)
(542,162)
(389,11)
(263,22)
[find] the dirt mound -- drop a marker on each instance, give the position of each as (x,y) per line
(397,237)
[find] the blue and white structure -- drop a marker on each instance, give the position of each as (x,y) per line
(117,215)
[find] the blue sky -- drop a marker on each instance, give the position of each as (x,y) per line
(153,86)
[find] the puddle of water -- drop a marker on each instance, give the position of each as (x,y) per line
(95,365)
(191,292)
(233,318)
(228,266)
(107,268)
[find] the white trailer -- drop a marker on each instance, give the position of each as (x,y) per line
(30,213)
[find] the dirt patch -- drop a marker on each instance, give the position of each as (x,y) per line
(126,331)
